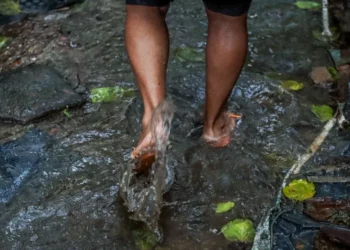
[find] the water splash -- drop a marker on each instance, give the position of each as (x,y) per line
(143,193)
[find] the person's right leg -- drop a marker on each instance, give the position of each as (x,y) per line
(147,45)
(225,55)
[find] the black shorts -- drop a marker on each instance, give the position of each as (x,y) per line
(235,8)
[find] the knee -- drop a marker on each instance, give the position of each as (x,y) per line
(146,11)
(221,21)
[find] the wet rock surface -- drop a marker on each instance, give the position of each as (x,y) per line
(72,201)
(31,92)
(18,160)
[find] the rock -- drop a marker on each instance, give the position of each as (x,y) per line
(326,209)
(321,77)
(32,92)
(322,242)
(340,57)
(337,235)
(18,159)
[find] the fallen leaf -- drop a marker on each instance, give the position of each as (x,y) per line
(109,94)
(67,113)
(334,73)
(292,85)
(239,230)
(318,35)
(224,207)
(307,5)
(144,239)
(189,54)
(299,190)
(3,40)
(9,7)
(276,76)
(323,112)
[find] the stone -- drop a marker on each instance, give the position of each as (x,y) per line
(31,92)
(340,56)
(18,159)
(322,242)
(321,76)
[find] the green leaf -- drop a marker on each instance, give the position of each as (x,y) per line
(109,94)
(323,112)
(307,5)
(3,40)
(144,239)
(189,54)
(224,207)
(299,190)
(9,7)
(318,35)
(293,85)
(334,73)
(276,76)
(239,230)
(67,113)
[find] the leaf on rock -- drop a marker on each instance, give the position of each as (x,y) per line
(9,7)
(189,54)
(318,35)
(224,207)
(239,230)
(109,94)
(3,40)
(299,190)
(334,73)
(323,112)
(67,113)
(293,85)
(144,239)
(308,5)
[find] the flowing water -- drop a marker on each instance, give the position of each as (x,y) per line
(69,197)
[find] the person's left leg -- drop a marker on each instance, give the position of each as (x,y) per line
(147,44)
(225,55)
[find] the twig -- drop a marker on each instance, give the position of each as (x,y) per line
(325,19)
(263,236)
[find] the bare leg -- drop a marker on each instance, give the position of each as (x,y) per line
(147,44)
(225,56)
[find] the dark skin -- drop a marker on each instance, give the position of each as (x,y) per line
(147,44)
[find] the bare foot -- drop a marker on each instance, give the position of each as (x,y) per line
(219,135)
(146,142)
(156,131)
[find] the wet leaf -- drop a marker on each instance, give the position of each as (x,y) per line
(67,113)
(334,73)
(9,7)
(144,239)
(279,160)
(299,190)
(307,5)
(224,207)
(276,76)
(239,230)
(318,35)
(3,40)
(293,85)
(109,94)
(189,54)
(323,112)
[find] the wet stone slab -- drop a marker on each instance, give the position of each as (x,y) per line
(29,93)
(18,159)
